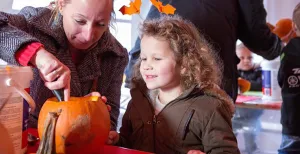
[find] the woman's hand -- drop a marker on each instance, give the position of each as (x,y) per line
(103,98)
(54,73)
(195,152)
(113,138)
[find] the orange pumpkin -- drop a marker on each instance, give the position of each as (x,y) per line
(80,125)
(244,85)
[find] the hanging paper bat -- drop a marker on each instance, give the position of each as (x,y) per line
(134,7)
(167,9)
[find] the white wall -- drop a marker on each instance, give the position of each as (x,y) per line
(6,6)
(278,9)
(138,19)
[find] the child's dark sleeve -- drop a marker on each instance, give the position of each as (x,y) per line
(126,129)
(280,76)
(218,136)
(256,84)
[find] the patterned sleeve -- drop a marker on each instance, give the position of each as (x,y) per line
(113,93)
(14,33)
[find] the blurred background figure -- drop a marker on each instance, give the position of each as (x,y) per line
(288,79)
(247,121)
(247,69)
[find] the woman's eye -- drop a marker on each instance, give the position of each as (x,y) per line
(157,58)
(143,59)
(101,24)
(81,22)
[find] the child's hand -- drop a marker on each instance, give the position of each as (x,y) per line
(103,98)
(195,152)
(113,138)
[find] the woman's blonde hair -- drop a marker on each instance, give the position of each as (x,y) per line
(192,52)
(55,12)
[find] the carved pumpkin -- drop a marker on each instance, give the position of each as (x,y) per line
(80,125)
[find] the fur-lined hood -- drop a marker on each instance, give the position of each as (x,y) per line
(215,92)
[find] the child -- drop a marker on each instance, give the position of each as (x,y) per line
(247,69)
(176,106)
(244,117)
(288,79)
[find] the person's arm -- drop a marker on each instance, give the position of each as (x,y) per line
(26,53)
(254,32)
(14,34)
(218,136)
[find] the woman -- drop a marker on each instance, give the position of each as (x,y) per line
(74,41)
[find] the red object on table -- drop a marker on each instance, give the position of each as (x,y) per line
(256,102)
(107,148)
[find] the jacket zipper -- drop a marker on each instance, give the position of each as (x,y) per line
(154,120)
(154,123)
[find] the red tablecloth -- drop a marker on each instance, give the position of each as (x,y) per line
(107,149)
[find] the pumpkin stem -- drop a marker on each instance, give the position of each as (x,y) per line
(47,145)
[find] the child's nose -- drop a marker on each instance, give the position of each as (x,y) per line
(148,66)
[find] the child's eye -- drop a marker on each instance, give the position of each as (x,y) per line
(143,59)
(157,58)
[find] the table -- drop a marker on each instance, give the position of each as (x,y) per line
(254,100)
(107,148)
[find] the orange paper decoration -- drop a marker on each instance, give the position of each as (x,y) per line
(167,9)
(134,7)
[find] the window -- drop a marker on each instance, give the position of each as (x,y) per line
(121,29)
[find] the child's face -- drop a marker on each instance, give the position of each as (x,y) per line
(245,57)
(158,66)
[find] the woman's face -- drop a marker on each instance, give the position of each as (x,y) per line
(85,21)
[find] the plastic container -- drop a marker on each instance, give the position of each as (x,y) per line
(14,81)
(270,87)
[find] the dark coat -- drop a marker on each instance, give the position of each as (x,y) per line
(289,81)
(105,62)
(193,121)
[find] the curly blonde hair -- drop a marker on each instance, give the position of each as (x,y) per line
(192,52)
(199,64)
